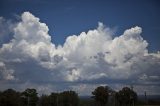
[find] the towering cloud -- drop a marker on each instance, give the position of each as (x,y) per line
(93,57)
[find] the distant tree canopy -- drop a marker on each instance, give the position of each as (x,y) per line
(103,95)
(100,94)
(53,99)
(9,98)
(68,98)
(126,96)
(29,97)
(44,100)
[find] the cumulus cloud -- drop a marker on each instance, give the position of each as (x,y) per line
(6,30)
(94,57)
(5,74)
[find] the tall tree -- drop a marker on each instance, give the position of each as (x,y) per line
(53,98)
(126,96)
(100,94)
(29,97)
(10,98)
(44,101)
(68,98)
(111,98)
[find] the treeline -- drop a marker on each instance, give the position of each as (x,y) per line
(102,96)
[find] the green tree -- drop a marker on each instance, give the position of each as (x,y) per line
(111,96)
(10,98)
(44,100)
(68,98)
(53,98)
(100,94)
(29,97)
(126,97)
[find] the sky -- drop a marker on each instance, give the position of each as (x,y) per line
(57,45)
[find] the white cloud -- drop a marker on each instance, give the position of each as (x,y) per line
(5,73)
(126,46)
(6,30)
(91,56)
(31,39)
(73,75)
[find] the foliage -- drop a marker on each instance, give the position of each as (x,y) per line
(101,95)
(29,97)
(9,98)
(53,98)
(126,96)
(44,100)
(68,98)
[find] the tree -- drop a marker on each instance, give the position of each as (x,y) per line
(29,97)
(111,98)
(9,98)
(53,98)
(101,95)
(44,101)
(68,98)
(126,96)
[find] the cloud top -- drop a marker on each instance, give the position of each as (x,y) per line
(90,57)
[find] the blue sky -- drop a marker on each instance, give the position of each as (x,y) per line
(67,17)
(56,45)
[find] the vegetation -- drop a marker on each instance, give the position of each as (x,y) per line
(10,98)
(102,96)
(29,97)
(126,97)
